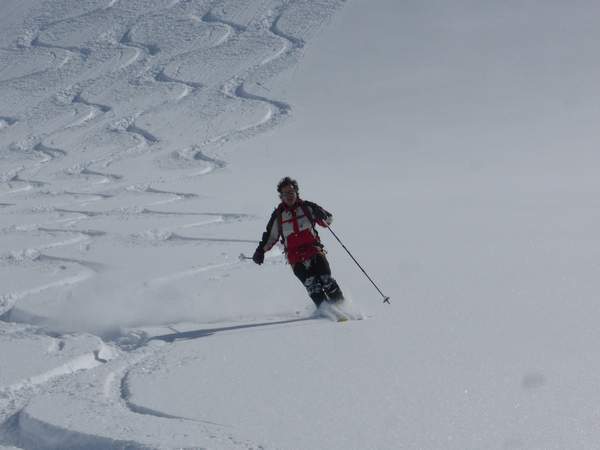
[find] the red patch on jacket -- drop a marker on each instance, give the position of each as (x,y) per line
(302,246)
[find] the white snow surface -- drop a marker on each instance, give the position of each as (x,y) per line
(456,144)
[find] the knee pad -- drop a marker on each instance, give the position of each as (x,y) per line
(329,284)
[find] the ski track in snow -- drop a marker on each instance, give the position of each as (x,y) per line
(49,152)
(6,122)
(76,114)
(137,409)
(82,52)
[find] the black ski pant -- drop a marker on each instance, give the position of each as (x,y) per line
(315,275)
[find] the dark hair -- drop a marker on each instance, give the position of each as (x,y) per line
(287,181)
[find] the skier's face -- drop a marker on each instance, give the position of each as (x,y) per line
(288,195)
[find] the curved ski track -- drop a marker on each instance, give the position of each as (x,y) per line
(234,88)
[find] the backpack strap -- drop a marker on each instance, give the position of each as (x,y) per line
(308,214)
(280,222)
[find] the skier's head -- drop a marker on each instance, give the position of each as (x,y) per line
(288,190)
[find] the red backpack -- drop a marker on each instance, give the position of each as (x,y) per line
(301,244)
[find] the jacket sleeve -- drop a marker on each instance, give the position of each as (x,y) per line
(320,214)
(271,234)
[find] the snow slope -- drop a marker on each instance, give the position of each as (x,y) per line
(455,142)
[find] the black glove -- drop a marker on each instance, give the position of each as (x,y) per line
(259,256)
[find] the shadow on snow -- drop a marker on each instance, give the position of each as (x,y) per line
(196,334)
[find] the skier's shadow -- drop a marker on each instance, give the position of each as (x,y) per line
(197,334)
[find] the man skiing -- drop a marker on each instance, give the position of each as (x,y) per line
(293,221)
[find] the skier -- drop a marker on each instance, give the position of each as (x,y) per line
(293,221)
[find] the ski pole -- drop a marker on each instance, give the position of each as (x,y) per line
(386,299)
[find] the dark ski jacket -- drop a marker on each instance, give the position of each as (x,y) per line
(285,221)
